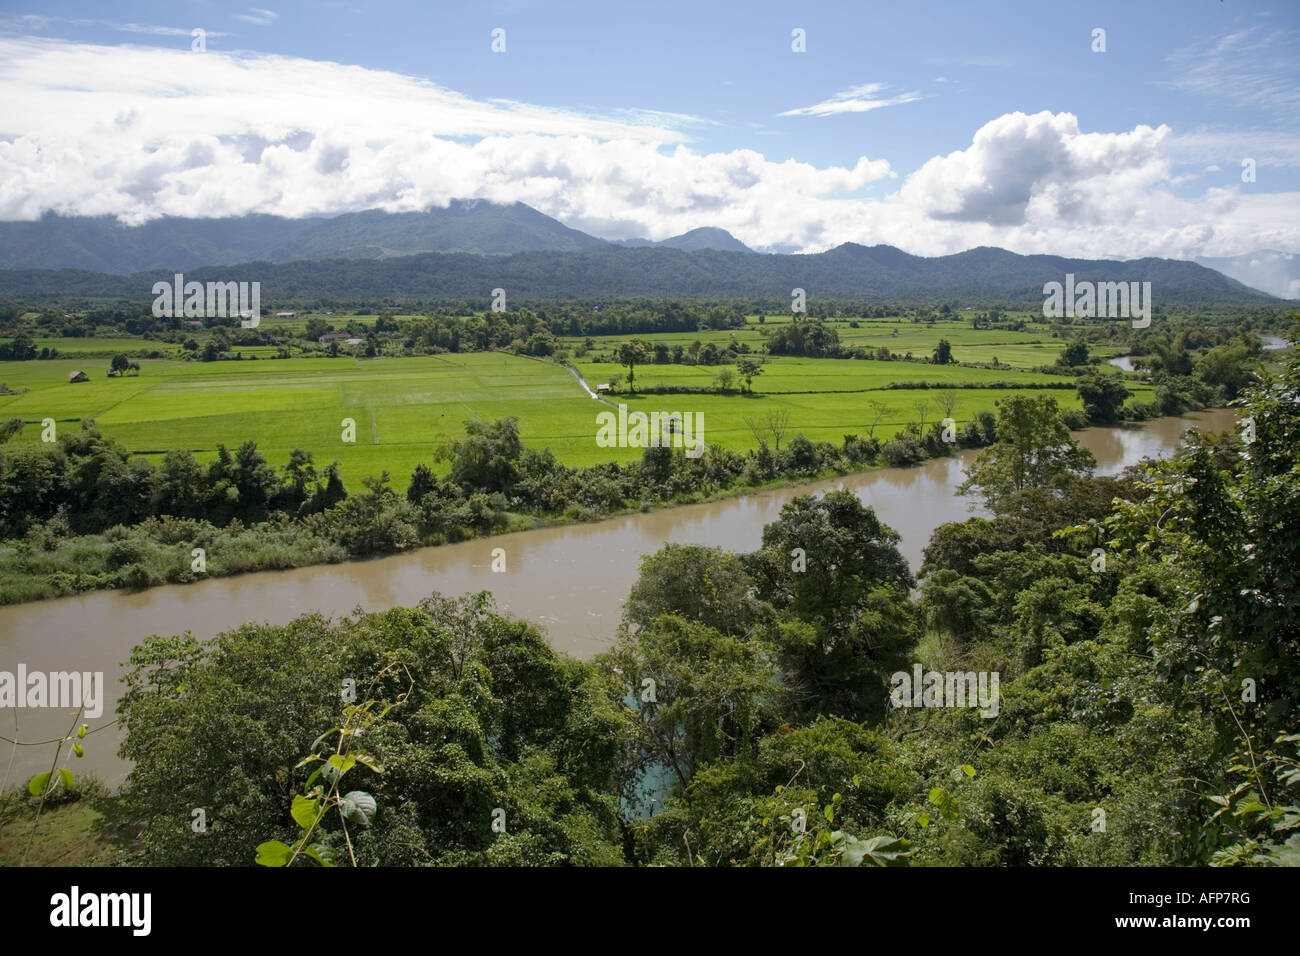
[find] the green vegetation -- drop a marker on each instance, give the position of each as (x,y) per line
(1145,712)
(167,467)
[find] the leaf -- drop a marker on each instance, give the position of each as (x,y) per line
(77,749)
(878,851)
(81,731)
(66,776)
(968,770)
(304,811)
(829,814)
(272,853)
(36,786)
(369,760)
(321,853)
(337,765)
(358,806)
(923,819)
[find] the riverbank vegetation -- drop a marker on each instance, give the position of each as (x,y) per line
(108,505)
(1142,626)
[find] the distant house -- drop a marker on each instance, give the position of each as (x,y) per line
(603,387)
(352,342)
(286,315)
(329,337)
(195,324)
(78,377)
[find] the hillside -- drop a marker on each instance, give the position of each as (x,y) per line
(847,271)
(104,245)
(706,237)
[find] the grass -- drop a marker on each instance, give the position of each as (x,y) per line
(86,830)
(403,407)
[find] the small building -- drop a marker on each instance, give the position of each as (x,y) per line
(78,376)
(286,315)
(352,342)
(603,387)
(329,337)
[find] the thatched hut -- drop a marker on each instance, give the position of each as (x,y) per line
(78,376)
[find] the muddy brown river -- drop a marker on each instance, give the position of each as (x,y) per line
(571,581)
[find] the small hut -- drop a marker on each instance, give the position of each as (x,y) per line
(78,377)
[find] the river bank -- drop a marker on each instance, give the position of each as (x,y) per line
(569,580)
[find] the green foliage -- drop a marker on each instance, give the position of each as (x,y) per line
(1034,447)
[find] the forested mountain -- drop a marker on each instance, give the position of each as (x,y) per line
(102,244)
(706,237)
(849,270)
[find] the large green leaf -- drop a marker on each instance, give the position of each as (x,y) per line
(359,807)
(36,786)
(304,811)
(321,853)
(878,851)
(273,853)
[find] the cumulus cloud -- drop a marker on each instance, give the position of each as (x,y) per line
(142,132)
(856,99)
(1044,160)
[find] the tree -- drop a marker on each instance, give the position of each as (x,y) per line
(878,410)
(255,481)
(943,353)
(119,365)
(1229,367)
(1103,396)
(422,482)
(747,368)
(922,406)
(778,423)
(725,378)
(300,473)
(948,402)
(706,585)
(487,458)
(631,354)
(850,586)
(1074,354)
(485,715)
(712,693)
(180,486)
(1034,446)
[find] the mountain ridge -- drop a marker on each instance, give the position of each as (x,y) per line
(848,271)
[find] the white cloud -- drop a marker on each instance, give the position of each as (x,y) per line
(856,99)
(32,21)
(1251,69)
(258,16)
(141,132)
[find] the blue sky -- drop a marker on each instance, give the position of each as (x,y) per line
(933,126)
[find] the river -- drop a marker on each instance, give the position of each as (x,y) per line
(1271,343)
(570,580)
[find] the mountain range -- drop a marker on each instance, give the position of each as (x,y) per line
(471,247)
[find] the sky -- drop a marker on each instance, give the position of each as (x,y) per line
(934,127)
